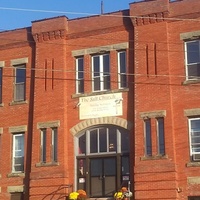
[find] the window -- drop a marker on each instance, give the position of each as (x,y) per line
(122,69)
(103,140)
(16,196)
(148,142)
(194,132)
(18,153)
(79,75)
(20,80)
(160,136)
(1,84)
(54,144)
(101,72)
(43,146)
(192,59)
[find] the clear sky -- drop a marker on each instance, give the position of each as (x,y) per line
(19,13)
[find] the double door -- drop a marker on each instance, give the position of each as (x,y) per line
(103,172)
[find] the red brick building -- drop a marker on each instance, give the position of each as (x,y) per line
(93,103)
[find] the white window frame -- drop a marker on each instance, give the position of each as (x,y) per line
(190,64)
(79,80)
(194,154)
(20,87)
(15,152)
(54,144)
(101,73)
(121,84)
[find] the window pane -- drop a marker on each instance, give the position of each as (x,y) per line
(54,144)
(18,152)
(82,167)
(96,66)
(20,75)
(125,145)
(0,84)
(125,165)
(112,140)
(82,144)
(93,141)
(43,145)
(19,91)
(148,144)
(193,71)
(106,82)
(97,84)
(193,52)
(106,64)
(195,136)
(161,139)
(103,139)
(80,75)
(122,62)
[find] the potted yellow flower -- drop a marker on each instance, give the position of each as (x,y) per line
(78,195)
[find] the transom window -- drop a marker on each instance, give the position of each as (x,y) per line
(192,59)
(103,140)
(101,72)
(194,132)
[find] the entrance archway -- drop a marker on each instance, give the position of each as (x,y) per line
(102,159)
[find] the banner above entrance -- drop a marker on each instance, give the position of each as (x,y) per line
(105,105)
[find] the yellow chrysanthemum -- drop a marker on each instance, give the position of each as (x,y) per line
(118,195)
(73,195)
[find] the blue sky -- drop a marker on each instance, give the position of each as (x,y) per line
(19,13)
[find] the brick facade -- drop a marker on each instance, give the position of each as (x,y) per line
(152,33)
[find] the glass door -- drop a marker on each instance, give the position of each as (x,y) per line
(102,177)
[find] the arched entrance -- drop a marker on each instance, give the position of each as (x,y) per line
(102,159)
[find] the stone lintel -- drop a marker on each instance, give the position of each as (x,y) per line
(192,112)
(12,189)
(19,61)
(50,124)
(100,49)
(153,114)
(18,129)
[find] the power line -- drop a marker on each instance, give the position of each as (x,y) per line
(96,14)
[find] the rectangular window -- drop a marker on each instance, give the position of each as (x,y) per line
(101,72)
(1,84)
(194,133)
(20,82)
(192,59)
(160,136)
(43,145)
(54,144)
(16,196)
(122,69)
(18,153)
(148,142)
(79,75)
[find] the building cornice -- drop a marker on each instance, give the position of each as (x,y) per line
(50,35)
(150,18)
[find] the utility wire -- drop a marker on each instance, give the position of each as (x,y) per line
(94,14)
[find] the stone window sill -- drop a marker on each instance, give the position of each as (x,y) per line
(156,157)
(18,103)
(187,82)
(193,164)
(1,104)
(22,174)
(48,164)
(100,92)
